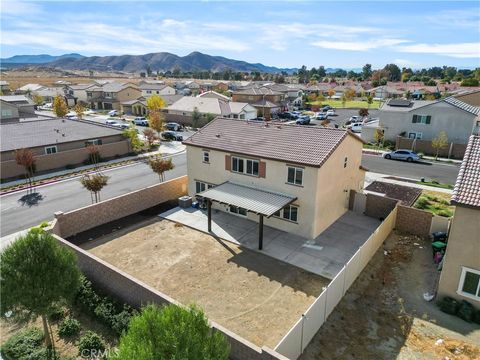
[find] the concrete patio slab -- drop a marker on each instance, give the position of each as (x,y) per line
(325,255)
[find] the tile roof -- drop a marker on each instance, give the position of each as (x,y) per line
(475,110)
(150,86)
(258,91)
(406,194)
(258,201)
(306,145)
(203,104)
(467,187)
(43,132)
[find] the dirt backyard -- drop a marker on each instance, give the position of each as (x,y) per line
(384,315)
(251,294)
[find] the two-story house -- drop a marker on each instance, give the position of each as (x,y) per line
(293,178)
(78,91)
(424,120)
(109,96)
(148,89)
(460,277)
(265,100)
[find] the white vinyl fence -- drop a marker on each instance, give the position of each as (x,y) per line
(294,343)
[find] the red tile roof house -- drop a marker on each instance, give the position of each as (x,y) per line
(460,277)
(294,178)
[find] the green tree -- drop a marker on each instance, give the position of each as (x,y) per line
(439,142)
(155,121)
(196,116)
(378,136)
(155,103)
(37,100)
(367,71)
(132,135)
(369,100)
(171,333)
(80,110)
(37,274)
(60,108)
(393,71)
(160,165)
(469,82)
(210,117)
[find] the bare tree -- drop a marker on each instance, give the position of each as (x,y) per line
(150,137)
(26,158)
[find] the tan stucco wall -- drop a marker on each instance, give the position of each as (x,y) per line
(463,250)
(334,183)
(321,199)
(128,94)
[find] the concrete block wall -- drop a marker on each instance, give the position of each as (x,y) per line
(88,217)
(425,147)
(379,207)
(413,221)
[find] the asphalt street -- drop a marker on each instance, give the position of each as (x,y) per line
(19,211)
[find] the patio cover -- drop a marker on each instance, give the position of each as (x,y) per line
(260,202)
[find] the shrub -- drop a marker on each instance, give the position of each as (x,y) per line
(466,311)
(105,311)
(445,213)
(422,202)
(449,305)
(122,319)
(26,344)
(90,344)
(69,327)
(57,313)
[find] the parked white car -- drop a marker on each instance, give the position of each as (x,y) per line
(140,121)
(330,112)
(113,113)
(356,127)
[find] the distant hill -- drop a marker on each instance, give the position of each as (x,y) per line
(162,61)
(37,59)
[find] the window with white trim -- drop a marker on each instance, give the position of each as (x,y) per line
(238,210)
(51,150)
(93,142)
(245,166)
(415,135)
(290,212)
(295,176)
(237,164)
(201,186)
(421,119)
(345,162)
(252,167)
(469,285)
(206,157)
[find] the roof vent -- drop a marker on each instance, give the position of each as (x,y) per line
(217,135)
(279,126)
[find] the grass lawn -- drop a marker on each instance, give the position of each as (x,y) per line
(435,202)
(349,104)
(435,184)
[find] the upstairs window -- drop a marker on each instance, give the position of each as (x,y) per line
(206,157)
(421,119)
(295,175)
(252,167)
(51,150)
(237,164)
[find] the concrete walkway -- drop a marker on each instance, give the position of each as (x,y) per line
(371,177)
(324,255)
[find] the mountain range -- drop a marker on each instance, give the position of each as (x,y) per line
(162,61)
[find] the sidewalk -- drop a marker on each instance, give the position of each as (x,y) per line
(371,177)
(170,148)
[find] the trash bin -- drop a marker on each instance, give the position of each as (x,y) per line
(185,202)
(440,236)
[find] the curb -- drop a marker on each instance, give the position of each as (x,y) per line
(74,175)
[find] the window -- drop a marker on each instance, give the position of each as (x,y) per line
(415,135)
(242,116)
(206,157)
(149,91)
(238,210)
(237,164)
(469,285)
(421,119)
(252,167)
(201,186)
(290,212)
(345,162)
(50,150)
(93,142)
(295,176)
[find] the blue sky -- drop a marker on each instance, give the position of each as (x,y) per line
(278,33)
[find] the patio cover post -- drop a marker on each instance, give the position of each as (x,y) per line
(209,211)
(260,232)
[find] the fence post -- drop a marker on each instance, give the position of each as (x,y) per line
(344,277)
(301,336)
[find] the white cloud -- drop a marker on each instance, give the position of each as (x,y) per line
(405,63)
(359,44)
(13,7)
(465,18)
(459,50)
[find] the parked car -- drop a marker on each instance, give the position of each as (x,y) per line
(170,135)
(355,127)
(113,113)
(322,116)
(140,121)
(173,126)
(326,108)
(303,120)
(355,119)
(111,121)
(120,125)
(71,117)
(402,155)
(330,112)
(47,106)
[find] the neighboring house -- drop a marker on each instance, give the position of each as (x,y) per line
(139,106)
(57,143)
(460,276)
(214,106)
(4,87)
(215,95)
(384,92)
(49,93)
(110,95)
(471,97)
(16,107)
(78,92)
(29,89)
(149,89)
(424,120)
(293,178)
(265,100)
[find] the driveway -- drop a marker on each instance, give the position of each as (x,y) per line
(324,255)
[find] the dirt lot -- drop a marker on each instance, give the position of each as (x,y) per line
(251,294)
(384,315)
